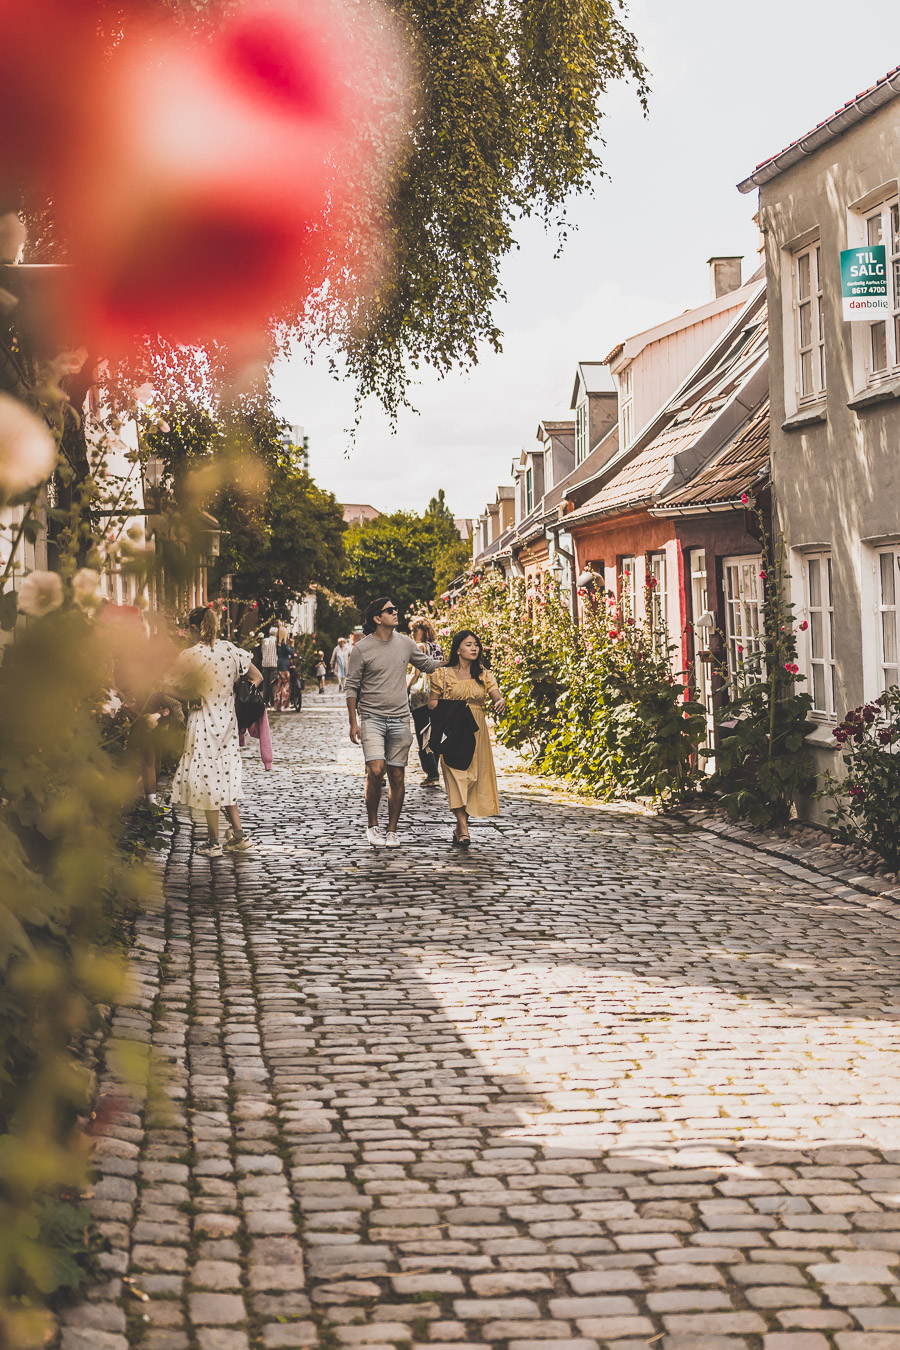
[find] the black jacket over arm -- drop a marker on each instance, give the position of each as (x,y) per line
(453,730)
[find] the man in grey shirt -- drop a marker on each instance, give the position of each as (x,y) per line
(376,689)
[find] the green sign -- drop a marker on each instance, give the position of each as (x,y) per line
(864,283)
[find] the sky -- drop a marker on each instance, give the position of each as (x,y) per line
(731,84)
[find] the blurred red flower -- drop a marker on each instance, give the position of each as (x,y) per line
(50,57)
(203,181)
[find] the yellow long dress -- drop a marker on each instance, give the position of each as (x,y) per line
(475,788)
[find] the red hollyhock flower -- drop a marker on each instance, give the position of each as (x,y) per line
(50,61)
(210,179)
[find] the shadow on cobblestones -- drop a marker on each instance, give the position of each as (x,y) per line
(598,1082)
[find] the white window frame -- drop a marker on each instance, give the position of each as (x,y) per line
(529,490)
(659,603)
(887,604)
(818,600)
(626,405)
(744,614)
(582,448)
(809,324)
(626,579)
(881,225)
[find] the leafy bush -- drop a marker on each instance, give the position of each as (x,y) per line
(626,726)
(598,704)
(63,882)
(865,806)
(762,762)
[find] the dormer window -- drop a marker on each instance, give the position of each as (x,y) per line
(529,490)
(581,431)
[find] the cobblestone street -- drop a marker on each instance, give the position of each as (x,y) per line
(605,1081)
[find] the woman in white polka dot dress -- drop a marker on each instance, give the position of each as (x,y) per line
(208,777)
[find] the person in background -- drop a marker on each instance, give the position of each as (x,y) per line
(376,685)
(208,777)
(473,790)
(419,687)
(286,654)
(321,670)
(269,653)
(297,680)
(339,659)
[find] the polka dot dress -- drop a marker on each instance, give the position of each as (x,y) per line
(209,772)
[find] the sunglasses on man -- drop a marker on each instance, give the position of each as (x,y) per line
(389,609)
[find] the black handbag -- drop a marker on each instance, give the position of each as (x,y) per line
(249,704)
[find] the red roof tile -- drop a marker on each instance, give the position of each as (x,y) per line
(738,468)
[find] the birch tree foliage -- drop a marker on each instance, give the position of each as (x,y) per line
(506,120)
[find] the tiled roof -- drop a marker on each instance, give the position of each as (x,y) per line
(704,419)
(736,469)
(636,483)
(882,91)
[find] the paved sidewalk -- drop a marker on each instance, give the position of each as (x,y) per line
(602,1082)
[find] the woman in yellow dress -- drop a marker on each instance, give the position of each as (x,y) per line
(471,791)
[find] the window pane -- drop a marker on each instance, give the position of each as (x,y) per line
(817,273)
(887,579)
(889,637)
(805,325)
(829,591)
(815,582)
(818,690)
(879,346)
(873,229)
(895,228)
(803,275)
(817,646)
(806,368)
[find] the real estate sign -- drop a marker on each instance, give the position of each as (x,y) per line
(864,283)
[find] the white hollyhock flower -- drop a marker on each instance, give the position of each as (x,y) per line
(27,449)
(87,588)
(39,593)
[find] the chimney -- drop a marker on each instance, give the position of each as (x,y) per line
(724,275)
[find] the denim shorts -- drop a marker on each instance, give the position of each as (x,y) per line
(387,738)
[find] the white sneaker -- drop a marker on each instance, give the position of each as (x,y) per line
(211,849)
(392,839)
(375,836)
(237,843)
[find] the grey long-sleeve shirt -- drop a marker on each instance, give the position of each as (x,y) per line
(377,674)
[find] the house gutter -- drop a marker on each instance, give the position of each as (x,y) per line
(709,509)
(599,512)
(828,131)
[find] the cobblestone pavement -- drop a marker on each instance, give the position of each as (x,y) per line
(602,1082)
